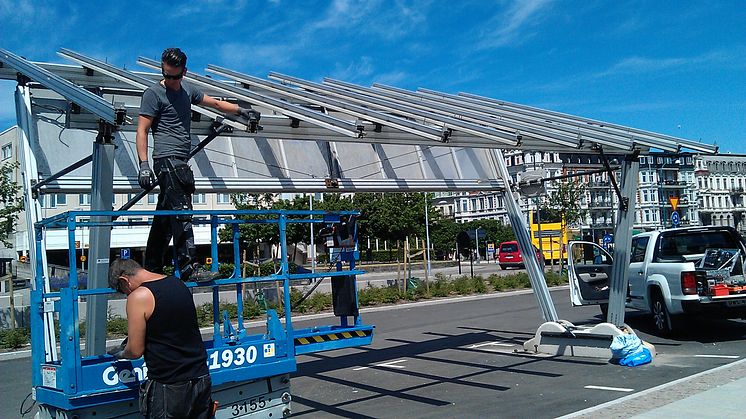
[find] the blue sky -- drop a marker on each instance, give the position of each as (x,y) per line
(675,67)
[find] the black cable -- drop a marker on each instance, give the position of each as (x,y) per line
(25,412)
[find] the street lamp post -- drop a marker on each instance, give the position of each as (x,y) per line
(476,235)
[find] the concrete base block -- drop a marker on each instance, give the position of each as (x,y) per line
(564,338)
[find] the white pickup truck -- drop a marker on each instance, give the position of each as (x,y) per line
(672,273)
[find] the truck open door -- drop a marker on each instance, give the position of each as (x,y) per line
(589,273)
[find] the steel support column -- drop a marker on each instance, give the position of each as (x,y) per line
(623,241)
(520,228)
(102,196)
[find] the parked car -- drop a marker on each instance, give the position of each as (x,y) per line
(509,255)
(672,274)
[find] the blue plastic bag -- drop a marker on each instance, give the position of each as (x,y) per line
(625,345)
(641,358)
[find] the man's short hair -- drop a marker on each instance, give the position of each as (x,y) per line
(121,267)
(174,57)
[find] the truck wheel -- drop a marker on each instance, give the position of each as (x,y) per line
(662,319)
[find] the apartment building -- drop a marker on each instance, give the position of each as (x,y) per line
(720,182)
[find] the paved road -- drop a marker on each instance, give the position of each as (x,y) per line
(456,358)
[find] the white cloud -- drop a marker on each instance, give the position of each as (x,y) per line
(354,71)
(510,26)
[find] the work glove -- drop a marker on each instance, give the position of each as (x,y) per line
(118,352)
(251,118)
(249,114)
(146,177)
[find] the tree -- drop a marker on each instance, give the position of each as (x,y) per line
(565,201)
(10,202)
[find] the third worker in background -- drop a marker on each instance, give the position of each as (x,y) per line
(166,111)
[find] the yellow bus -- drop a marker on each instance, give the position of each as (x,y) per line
(554,235)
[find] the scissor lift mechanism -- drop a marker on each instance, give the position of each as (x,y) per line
(249,372)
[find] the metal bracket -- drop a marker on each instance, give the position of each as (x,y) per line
(331,183)
(623,201)
(446,135)
(105,132)
(22,79)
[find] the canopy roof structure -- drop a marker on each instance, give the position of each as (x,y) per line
(332,136)
(377,138)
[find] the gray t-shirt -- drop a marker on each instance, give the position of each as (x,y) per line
(171,113)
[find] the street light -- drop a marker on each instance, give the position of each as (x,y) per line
(476,235)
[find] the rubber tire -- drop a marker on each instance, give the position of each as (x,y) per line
(663,322)
(503,267)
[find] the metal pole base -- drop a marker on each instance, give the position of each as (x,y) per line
(564,338)
(264,398)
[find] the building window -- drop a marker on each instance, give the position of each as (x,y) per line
(224,198)
(61,199)
(84,199)
(152,198)
(7,151)
(198,198)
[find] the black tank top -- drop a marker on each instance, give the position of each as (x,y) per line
(173,345)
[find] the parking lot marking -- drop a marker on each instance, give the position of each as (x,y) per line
(480,345)
(622,389)
(389,364)
(718,356)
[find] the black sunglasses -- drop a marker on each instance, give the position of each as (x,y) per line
(172,76)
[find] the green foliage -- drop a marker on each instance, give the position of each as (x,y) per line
(509,282)
(14,338)
(116,326)
(566,200)
(464,285)
(11,203)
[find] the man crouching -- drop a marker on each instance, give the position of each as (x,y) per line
(162,327)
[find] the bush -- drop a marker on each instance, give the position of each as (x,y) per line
(509,282)
(116,326)
(16,338)
(464,285)
(555,279)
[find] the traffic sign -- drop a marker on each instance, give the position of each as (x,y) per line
(124,253)
(674,200)
(83,258)
(491,247)
(675,218)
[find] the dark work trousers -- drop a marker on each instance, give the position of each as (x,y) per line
(184,400)
(176,181)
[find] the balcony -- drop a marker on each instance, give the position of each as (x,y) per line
(599,185)
(738,190)
(673,184)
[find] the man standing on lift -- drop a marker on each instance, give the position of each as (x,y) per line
(166,110)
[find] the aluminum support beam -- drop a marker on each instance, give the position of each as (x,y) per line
(98,272)
(562,134)
(623,242)
(655,137)
(520,228)
(137,81)
(284,108)
(42,328)
(344,107)
(73,185)
(501,138)
(82,97)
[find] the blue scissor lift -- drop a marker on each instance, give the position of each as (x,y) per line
(250,373)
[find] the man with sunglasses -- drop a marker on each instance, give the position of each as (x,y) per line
(162,327)
(166,111)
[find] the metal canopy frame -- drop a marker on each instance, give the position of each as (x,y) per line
(346,138)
